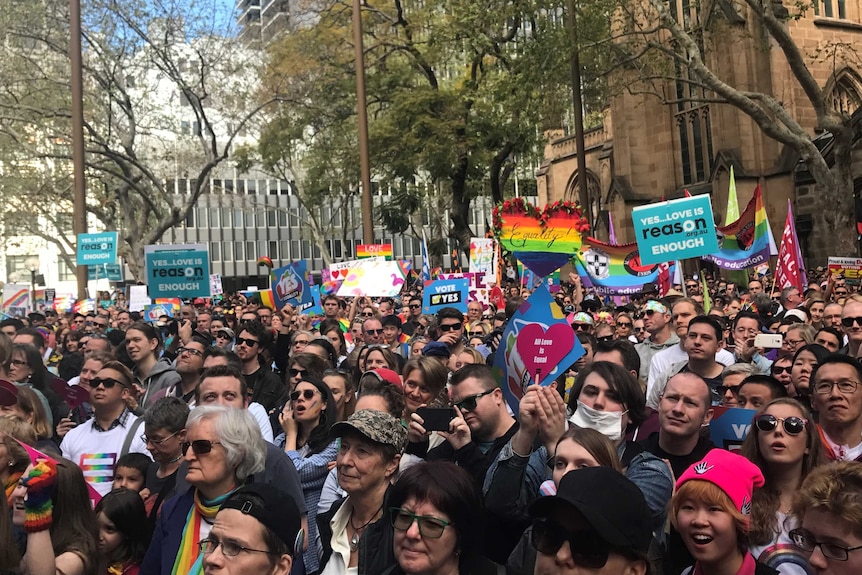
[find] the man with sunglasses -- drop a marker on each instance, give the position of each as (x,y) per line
(656,317)
(414,312)
(372,331)
(851,324)
(264,386)
(837,398)
(598,522)
(450,321)
(96,445)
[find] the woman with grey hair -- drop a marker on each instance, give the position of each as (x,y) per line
(732,377)
(223,447)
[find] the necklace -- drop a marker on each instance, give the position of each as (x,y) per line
(357,531)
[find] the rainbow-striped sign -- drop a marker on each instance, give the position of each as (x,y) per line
(374,250)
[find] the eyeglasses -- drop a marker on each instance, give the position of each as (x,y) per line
(605,338)
(777,370)
(297,372)
(199,446)
(369,314)
(449,326)
(190,351)
(374,331)
(305,393)
(792,425)
(691,286)
(849,321)
(228,548)
(106,382)
(844,386)
(587,548)
(650,312)
(157,442)
(792,342)
(302,342)
(840,293)
(429,526)
(19,363)
(805,541)
(246,342)
(469,403)
(478,333)
(638,329)
(624,324)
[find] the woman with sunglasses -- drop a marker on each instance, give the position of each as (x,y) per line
(435,511)
(783,443)
(306,420)
(223,448)
(805,361)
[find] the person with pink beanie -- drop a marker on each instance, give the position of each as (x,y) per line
(711,510)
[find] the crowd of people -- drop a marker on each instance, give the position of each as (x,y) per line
(375,439)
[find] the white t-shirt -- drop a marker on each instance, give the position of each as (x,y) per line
(674,354)
(259,414)
(96,452)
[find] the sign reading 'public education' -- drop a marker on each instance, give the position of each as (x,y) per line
(675,230)
(179,270)
(98,248)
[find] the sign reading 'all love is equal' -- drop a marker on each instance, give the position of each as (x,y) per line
(675,230)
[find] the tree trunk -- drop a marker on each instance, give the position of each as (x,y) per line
(460,213)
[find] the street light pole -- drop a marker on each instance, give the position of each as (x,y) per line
(362,118)
(79,212)
(32,264)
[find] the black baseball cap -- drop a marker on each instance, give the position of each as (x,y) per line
(612,505)
(274,508)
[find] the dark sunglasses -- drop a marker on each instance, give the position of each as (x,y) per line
(246,342)
(469,403)
(449,326)
(581,326)
(479,333)
(587,548)
(199,446)
(624,324)
(792,425)
(605,338)
(777,369)
(374,331)
(414,306)
(106,382)
(305,393)
(297,372)
(849,321)
(367,314)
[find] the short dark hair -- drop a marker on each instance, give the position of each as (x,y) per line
(711,322)
(834,358)
(233,359)
(311,362)
(14,322)
(137,461)
(330,297)
(833,332)
(326,346)
(587,338)
(452,490)
(775,387)
(256,329)
(478,371)
(620,381)
(449,313)
(625,348)
(37,336)
(125,509)
(223,371)
(168,413)
(747,315)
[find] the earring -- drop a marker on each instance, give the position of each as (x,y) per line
(11,464)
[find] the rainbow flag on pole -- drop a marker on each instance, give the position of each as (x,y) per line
(745,242)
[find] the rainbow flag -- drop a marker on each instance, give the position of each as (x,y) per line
(265,296)
(745,242)
(615,269)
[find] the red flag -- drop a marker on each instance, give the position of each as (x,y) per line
(687,193)
(664,279)
(788,270)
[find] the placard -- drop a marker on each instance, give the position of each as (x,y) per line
(482,254)
(290,285)
(374,250)
(138,298)
(16,300)
(111,272)
(445,293)
(850,267)
(373,278)
(100,248)
(179,270)
(729,426)
(216,287)
(153,312)
(675,230)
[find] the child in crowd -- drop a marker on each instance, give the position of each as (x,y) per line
(124,532)
(131,471)
(711,510)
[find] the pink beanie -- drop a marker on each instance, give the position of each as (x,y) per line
(732,473)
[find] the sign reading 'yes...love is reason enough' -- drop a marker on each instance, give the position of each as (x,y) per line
(675,230)
(180,270)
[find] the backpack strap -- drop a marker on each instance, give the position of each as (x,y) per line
(130,436)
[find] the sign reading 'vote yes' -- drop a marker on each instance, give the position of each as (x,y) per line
(675,230)
(445,293)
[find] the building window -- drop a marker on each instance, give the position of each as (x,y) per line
(239,251)
(215,251)
(336,251)
(203,219)
(284,250)
(295,252)
(270,218)
(845,97)
(273,251)
(18,264)
(227,248)
(250,253)
(282,219)
(249,219)
(66,273)
(226,218)
(294,221)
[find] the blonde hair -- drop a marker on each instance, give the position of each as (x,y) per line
(835,488)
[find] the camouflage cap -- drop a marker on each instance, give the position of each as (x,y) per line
(375,425)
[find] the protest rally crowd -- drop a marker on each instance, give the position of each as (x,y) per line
(373,439)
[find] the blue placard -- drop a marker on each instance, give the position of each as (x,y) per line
(112,272)
(446,293)
(312,307)
(675,230)
(729,426)
(179,270)
(98,248)
(290,285)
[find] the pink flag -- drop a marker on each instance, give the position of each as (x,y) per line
(612,237)
(664,279)
(35,455)
(788,271)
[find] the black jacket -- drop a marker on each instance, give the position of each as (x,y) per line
(266,388)
(481,566)
(375,546)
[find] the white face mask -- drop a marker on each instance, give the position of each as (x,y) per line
(608,423)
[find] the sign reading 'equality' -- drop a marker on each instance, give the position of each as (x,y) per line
(98,248)
(675,230)
(179,270)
